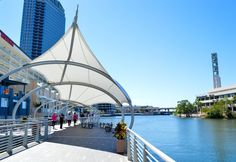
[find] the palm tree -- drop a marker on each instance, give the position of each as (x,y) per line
(226,102)
(230,103)
(198,104)
(234,101)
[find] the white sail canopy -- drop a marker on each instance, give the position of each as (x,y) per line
(76,72)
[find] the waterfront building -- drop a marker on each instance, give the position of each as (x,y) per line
(11,57)
(145,109)
(15,86)
(43,24)
(151,110)
(218,94)
(105,108)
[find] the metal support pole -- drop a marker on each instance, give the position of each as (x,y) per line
(132,116)
(135,149)
(144,153)
(25,140)
(10,142)
(123,113)
(24,89)
(46,130)
(37,133)
(128,146)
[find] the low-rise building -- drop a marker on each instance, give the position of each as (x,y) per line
(218,94)
(105,108)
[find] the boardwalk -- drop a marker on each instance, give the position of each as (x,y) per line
(71,145)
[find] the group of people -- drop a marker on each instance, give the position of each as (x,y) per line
(69,118)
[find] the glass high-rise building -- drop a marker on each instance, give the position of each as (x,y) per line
(43,24)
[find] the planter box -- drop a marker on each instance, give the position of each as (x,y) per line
(120,146)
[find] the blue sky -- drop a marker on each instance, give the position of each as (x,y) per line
(159,50)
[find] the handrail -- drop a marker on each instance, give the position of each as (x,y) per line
(4,122)
(16,125)
(134,137)
(18,135)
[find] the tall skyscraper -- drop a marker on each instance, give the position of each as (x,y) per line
(43,24)
(215,68)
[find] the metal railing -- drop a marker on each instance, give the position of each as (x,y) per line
(139,150)
(4,122)
(20,135)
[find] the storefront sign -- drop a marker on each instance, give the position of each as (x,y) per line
(24,105)
(15,100)
(4,102)
(6,38)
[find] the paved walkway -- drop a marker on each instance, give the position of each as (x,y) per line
(72,144)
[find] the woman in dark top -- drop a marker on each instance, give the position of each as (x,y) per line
(61,120)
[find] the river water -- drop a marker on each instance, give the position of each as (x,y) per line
(189,139)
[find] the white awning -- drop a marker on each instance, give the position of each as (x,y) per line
(76,73)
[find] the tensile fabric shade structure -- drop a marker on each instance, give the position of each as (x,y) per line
(77,74)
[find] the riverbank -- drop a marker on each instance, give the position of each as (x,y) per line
(205,116)
(136,114)
(191,116)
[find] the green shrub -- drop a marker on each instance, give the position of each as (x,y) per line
(234,115)
(229,114)
(217,110)
(215,113)
(205,110)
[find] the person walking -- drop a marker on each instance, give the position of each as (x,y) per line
(54,120)
(61,120)
(69,118)
(75,118)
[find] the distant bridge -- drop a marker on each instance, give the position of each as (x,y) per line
(165,110)
(155,110)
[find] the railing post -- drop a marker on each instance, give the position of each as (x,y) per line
(25,139)
(37,133)
(46,130)
(148,149)
(135,149)
(144,153)
(128,146)
(10,141)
